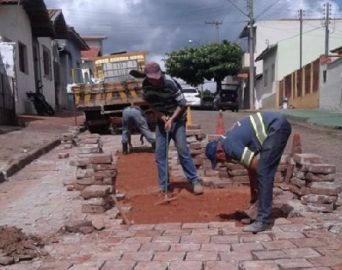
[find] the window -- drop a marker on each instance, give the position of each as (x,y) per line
(273,73)
(47,63)
(22,58)
(265,77)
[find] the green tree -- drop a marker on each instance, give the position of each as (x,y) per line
(211,61)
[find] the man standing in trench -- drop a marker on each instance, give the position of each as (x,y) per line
(264,134)
(167,100)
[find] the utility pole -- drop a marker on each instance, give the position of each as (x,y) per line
(251,53)
(217,26)
(301,39)
(326,24)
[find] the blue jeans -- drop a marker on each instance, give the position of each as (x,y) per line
(270,156)
(134,115)
(178,135)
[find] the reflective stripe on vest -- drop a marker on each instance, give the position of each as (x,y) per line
(247,156)
(259,127)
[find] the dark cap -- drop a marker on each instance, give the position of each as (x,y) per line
(210,152)
(153,71)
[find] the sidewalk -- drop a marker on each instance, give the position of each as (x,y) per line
(317,117)
(36,135)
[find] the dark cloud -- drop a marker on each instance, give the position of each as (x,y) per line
(160,26)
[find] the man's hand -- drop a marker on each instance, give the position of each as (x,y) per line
(168,125)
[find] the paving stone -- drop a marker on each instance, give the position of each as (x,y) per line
(201,256)
(141,227)
(166,239)
(321,168)
(258,265)
(148,233)
(279,244)
(314,177)
(247,246)
(142,256)
(309,242)
(151,266)
(294,227)
(122,265)
(305,158)
(88,266)
(236,256)
(55,265)
(168,226)
(293,263)
(155,247)
(185,247)
(186,265)
(96,191)
(195,239)
(255,238)
(221,225)
(269,254)
(215,265)
(328,261)
(100,159)
(215,247)
(320,208)
(177,232)
(301,253)
(321,199)
(138,239)
(280,235)
(126,247)
(298,182)
(225,239)
(324,188)
(73,226)
(169,256)
(212,231)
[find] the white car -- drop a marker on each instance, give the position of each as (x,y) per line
(192,96)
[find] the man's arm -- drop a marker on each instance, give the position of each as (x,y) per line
(179,110)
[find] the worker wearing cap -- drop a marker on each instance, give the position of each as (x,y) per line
(133,115)
(265,135)
(166,99)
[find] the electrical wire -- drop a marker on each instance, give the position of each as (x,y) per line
(237,7)
(267,9)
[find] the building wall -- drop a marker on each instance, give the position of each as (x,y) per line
(331,90)
(48,81)
(15,26)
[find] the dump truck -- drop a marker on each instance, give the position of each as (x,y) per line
(114,89)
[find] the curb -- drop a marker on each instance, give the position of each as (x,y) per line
(16,166)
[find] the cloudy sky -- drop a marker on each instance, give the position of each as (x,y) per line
(160,26)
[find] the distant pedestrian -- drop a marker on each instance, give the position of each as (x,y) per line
(133,115)
(264,135)
(166,99)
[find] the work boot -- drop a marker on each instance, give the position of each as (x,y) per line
(124,148)
(197,188)
(256,227)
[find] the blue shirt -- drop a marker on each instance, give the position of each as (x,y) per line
(242,142)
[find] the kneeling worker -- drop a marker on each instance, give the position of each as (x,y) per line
(264,134)
(134,115)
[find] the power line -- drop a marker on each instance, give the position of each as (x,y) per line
(267,9)
(237,7)
(217,26)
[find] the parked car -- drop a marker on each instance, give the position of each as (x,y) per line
(207,100)
(228,98)
(192,96)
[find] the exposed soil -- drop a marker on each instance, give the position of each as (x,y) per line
(16,246)
(137,178)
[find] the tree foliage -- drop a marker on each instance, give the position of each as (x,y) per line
(211,61)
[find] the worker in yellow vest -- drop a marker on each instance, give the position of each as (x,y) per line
(256,141)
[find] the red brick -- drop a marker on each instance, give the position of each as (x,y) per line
(236,256)
(155,247)
(247,246)
(313,177)
(212,231)
(148,233)
(279,235)
(168,226)
(280,244)
(197,239)
(201,256)
(255,238)
(259,265)
(320,208)
(186,265)
(122,265)
(195,226)
(215,265)
(138,239)
(328,261)
(96,191)
(215,247)
(315,198)
(169,256)
(225,239)
(177,232)
(329,189)
(321,168)
(298,182)
(151,266)
(126,247)
(143,256)
(238,172)
(141,227)
(293,263)
(185,247)
(301,253)
(101,159)
(309,242)
(307,158)
(166,239)
(269,254)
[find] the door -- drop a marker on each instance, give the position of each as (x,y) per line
(7,83)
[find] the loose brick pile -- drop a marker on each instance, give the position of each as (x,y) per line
(313,182)
(69,139)
(95,175)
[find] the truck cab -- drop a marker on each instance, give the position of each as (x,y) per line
(227,99)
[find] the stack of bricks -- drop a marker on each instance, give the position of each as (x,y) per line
(69,139)
(314,183)
(95,175)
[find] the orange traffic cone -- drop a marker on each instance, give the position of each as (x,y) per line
(296,144)
(219,124)
(188,117)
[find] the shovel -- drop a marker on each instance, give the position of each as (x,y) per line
(167,198)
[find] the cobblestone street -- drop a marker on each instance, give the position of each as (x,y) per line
(36,200)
